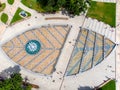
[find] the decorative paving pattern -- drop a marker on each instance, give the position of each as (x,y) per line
(38,50)
(32,47)
(91,48)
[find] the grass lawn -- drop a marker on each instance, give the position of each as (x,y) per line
(103,12)
(10,1)
(33,5)
(4,17)
(2,7)
(109,86)
(17,17)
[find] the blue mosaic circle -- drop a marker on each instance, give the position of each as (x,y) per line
(32,47)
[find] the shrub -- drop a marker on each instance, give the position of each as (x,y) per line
(2,6)
(4,17)
(10,1)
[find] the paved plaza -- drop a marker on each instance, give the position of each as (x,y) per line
(51,39)
(61,53)
(90,50)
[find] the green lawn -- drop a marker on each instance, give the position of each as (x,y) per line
(17,17)
(103,12)
(10,1)
(4,17)
(33,5)
(109,86)
(2,7)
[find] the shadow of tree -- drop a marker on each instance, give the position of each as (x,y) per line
(65,12)
(85,88)
(9,71)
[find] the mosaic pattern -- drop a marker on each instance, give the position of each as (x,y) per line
(91,48)
(32,47)
(51,40)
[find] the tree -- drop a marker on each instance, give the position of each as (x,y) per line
(61,3)
(74,7)
(43,2)
(13,83)
(49,5)
(0,4)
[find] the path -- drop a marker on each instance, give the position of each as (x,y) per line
(118,47)
(57,80)
(108,1)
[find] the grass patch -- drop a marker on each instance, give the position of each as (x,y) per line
(103,12)
(10,1)
(109,86)
(3,5)
(4,17)
(17,17)
(33,4)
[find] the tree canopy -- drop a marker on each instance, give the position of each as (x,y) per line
(74,7)
(13,83)
(49,5)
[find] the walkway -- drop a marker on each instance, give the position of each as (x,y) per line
(108,1)
(118,47)
(57,80)
(63,61)
(100,27)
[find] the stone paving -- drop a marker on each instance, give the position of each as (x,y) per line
(100,27)
(108,1)
(57,80)
(51,39)
(90,50)
(118,47)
